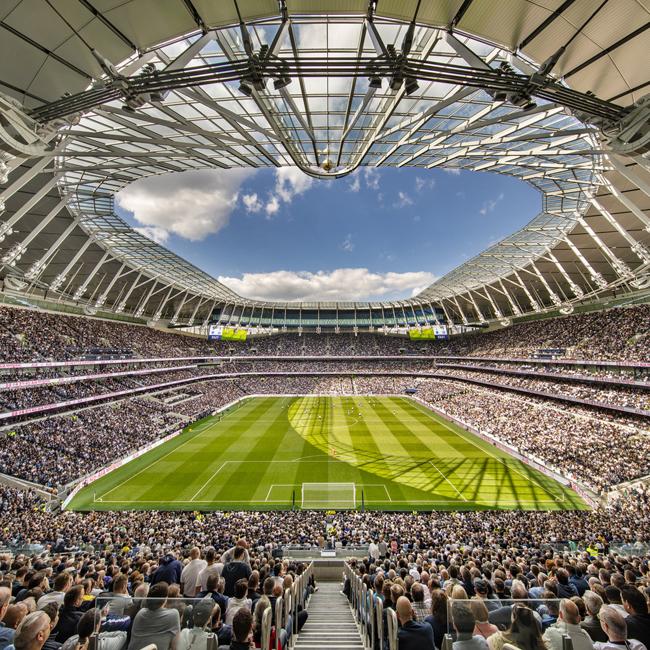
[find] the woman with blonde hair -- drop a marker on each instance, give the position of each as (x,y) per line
(482,627)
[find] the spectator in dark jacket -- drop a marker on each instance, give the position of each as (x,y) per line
(168,571)
(235,570)
(564,588)
(70,614)
(638,619)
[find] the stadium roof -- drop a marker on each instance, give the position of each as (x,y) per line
(107,92)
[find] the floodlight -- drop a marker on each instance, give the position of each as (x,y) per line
(375,82)
(396,82)
(411,85)
(281,82)
(245,89)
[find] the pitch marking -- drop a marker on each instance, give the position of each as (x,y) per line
(438,419)
(448,481)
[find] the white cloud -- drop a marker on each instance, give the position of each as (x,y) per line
(159,235)
(355,183)
(291,181)
(339,284)
(454,171)
(403,199)
(422,183)
(272,206)
(190,204)
(489,206)
(371,177)
(252,202)
(347,244)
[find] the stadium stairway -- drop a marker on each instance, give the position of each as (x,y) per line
(331,624)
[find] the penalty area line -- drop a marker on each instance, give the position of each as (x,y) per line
(448,481)
(208,481)
(439,419)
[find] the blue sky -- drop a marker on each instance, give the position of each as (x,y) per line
(278,234)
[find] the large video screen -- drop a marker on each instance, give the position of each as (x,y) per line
(221,333)
(434,332)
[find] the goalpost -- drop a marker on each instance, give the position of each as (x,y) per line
(326,496)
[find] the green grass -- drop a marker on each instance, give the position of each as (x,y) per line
(400,455)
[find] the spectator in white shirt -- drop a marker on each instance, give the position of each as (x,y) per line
(191,572)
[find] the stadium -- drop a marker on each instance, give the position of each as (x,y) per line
(457,457)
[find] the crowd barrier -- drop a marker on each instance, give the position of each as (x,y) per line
(26,365)
(73,379)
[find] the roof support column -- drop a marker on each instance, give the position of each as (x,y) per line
(594,276)
(177,313)
(481,318)
(55,285)
(143,303)
(199,302)
(625,171)
(637,247)
(533,303)
(207,318)
(551,294)
(39,265)
(577,291)
(121,305)
(101,300)
(620,267)
(460,311)
(498,313)
(32,172)
(19,248)
(28,205)
(513,305)
(630,205)
(450,320)
(165,300)
(82,288)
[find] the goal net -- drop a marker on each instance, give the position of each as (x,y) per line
(325,496)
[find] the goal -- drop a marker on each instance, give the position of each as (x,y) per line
(325,496)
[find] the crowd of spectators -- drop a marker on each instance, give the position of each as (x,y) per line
(578,443)
(637,398)
(490,598)
(619,334)
(133,598)
(25,519)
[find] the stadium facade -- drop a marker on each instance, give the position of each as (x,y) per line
(96,95)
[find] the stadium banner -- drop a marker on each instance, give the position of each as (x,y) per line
(540,362)
(90,478)
(57,381)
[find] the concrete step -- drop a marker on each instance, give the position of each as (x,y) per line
(331,625)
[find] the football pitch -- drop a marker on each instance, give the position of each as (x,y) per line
(381,453)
